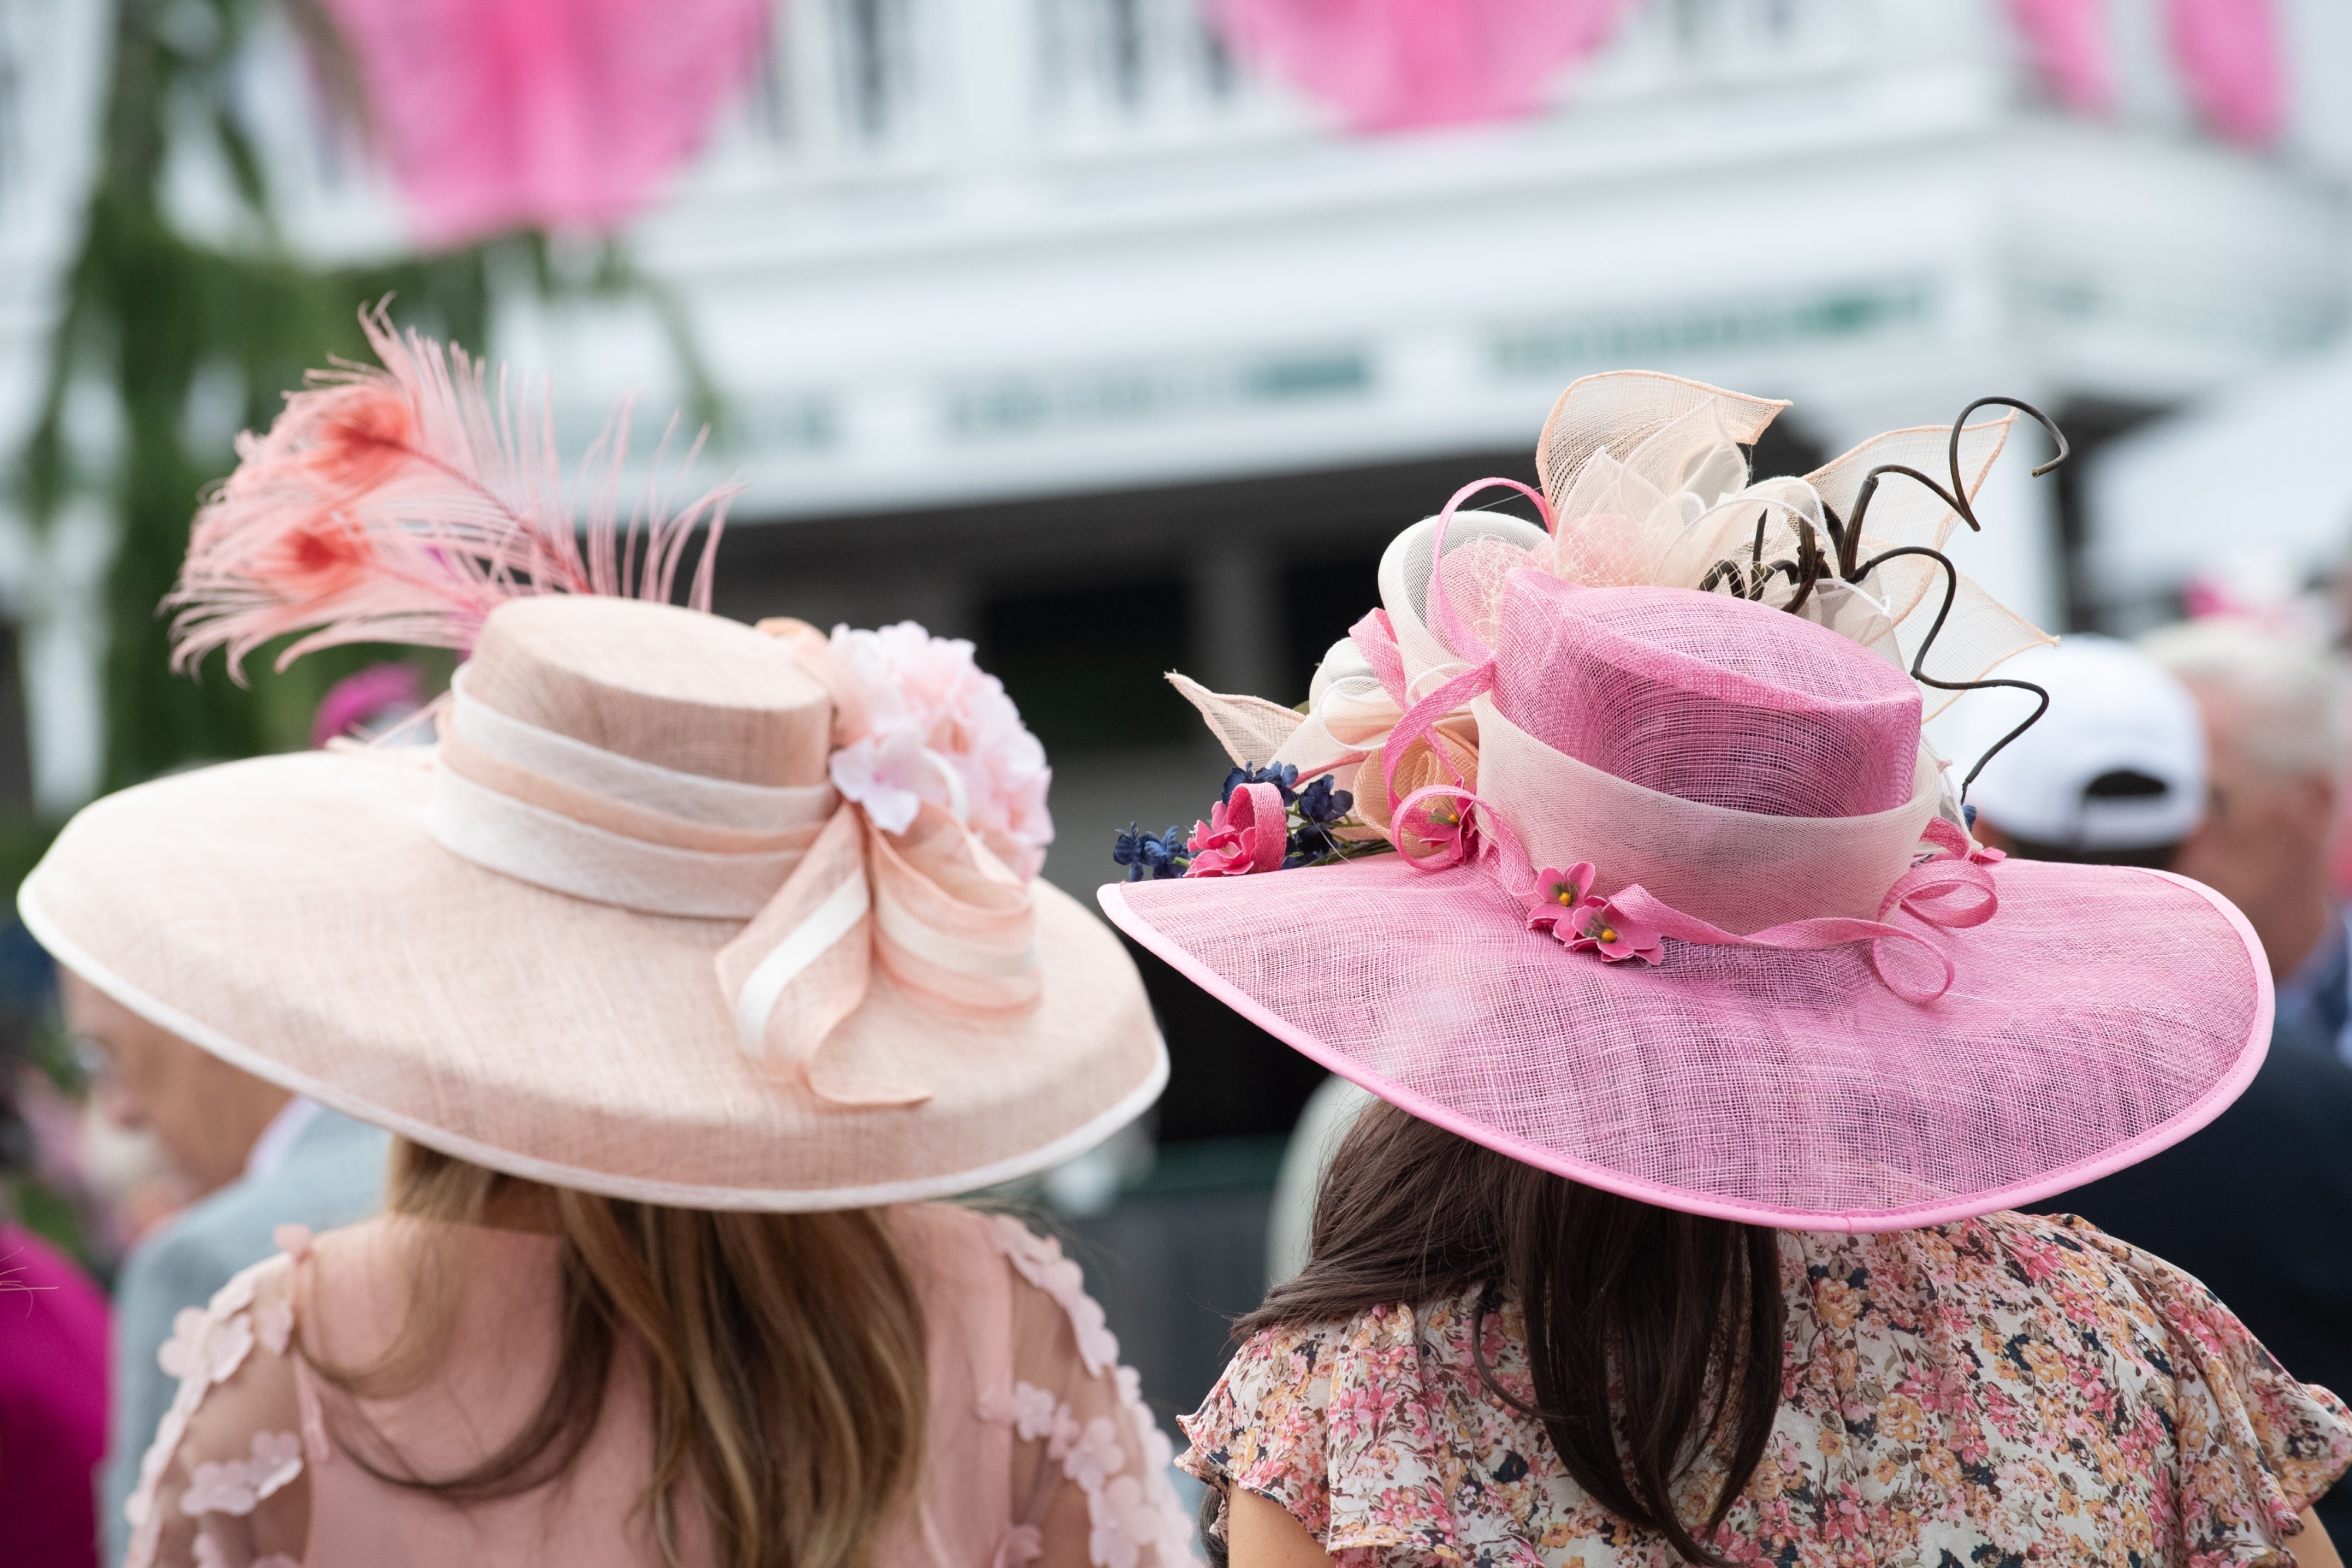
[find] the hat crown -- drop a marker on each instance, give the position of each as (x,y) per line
(677,688)
(1707,697)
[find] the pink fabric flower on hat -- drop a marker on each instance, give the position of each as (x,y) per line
(1600,926)
(1442,825)
(1556,897)
(891,774)
(1560,905)
(942,730)
(1246,833)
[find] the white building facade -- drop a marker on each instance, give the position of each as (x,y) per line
(1018,304)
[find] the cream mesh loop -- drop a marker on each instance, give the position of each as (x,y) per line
(1743,871)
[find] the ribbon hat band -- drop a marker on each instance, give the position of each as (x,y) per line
(824,892)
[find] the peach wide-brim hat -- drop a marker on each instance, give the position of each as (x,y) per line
(382,929)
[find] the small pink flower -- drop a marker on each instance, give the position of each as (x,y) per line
(1121,1521)
(1247,831)
(1096,1455)
(205,1349)
(274,1324)
(1556,897)
(891,773)
(218,1489)
(1443,827)
(1601,927)
(276,1460)
(925,694)
(1215,847)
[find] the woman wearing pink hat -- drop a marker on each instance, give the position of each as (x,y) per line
(685,969)
(1711,1057)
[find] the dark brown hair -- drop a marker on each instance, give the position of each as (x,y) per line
(785,1355)
(1682,1315)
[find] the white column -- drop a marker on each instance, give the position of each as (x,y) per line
(62,644)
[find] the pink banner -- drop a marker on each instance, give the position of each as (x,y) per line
(2228,55)
(502,114)
(1390,65)
(2067,42)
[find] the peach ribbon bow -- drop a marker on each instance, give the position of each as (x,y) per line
(827,896)
(929,905)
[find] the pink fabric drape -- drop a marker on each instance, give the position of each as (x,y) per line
(1390,65)
(2067,41)
(2228,55)
(500,114)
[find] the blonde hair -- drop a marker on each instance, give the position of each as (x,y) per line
(784,1354)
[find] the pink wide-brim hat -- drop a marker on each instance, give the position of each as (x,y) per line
(616,932)
(1802,998)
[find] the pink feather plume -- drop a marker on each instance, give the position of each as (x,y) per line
(404,503)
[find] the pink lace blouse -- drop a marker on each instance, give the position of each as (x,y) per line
(1038,1450)
(2003,1391)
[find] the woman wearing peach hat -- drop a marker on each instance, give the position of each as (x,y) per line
(690,964)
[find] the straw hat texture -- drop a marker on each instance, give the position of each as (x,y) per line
(1681,904)
(559,946)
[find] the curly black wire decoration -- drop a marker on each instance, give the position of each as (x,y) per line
(1811,565)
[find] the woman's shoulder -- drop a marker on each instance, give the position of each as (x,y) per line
(2051,1265)
(954,1250)
(1359,1416)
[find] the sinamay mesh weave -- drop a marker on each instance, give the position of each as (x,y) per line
(1751,769)
(1772,726)
(2099,1005)
(541,993)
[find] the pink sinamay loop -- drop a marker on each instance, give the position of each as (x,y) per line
(1420,723)
(1258,813)
(1638,903)
(1375,638)
(1458,632)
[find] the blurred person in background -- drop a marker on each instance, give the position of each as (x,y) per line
(2258,1205)
(2272,707)
(2112,775)
(52,1369)
(255,1157)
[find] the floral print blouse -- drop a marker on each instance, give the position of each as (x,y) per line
(1996,1393)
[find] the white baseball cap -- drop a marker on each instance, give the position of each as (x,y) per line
(2118,763)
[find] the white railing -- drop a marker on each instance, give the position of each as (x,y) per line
(858,92)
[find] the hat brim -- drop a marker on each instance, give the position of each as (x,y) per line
(291,915)
(2103,1014)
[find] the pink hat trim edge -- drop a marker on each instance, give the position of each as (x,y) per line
(634,1189)
(2202,1111)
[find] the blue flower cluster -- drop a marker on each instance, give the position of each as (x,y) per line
(1149,855)
(1284,779)
(1314,813)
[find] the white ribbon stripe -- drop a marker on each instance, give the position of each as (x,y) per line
(532,844)
(547,849)
(957,957)
(827,924)
(714,803)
